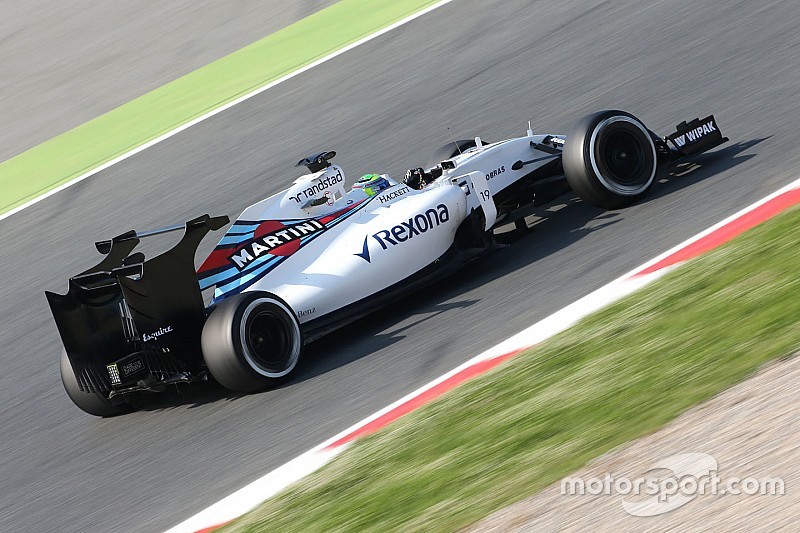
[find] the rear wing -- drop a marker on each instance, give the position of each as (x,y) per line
(126,304)
(697,136)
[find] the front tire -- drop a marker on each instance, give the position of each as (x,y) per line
(251,341)
(93,403)
(610,159)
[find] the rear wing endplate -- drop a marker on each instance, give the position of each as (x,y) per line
(114,308)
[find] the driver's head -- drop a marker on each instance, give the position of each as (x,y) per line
(372,184)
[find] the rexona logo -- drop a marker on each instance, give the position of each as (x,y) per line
(416,225)
(495,172)
(389,196)
(696,134)
(275,238)
(156,334)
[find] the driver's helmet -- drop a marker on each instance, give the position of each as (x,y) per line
(372,184)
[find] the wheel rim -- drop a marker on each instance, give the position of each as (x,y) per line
(270,338)
(624,156)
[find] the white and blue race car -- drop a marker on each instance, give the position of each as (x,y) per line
(318,255)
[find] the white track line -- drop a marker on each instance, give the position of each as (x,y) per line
(223,107)
(250,496)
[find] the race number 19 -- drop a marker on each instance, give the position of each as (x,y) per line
(480,185)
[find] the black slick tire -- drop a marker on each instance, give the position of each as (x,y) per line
(251,342)
(610,159)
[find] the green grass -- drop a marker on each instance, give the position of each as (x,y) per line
(77,151)
(620,374)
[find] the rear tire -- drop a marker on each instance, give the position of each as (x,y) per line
(251,341)
(93,403)
(610,159)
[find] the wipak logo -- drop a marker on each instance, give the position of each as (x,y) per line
(695,134)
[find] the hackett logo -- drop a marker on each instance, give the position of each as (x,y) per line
(284,240)
(389,196)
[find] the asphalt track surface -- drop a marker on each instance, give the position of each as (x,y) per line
(477,67)
(64,63)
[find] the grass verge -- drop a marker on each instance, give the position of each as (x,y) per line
(81,149)
(619,374)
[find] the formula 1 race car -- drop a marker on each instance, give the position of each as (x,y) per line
(316,256)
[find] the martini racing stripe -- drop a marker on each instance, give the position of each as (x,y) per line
(220,257)
(239,228)
(218,269)
(256,223)
(241,231)
(246,228)
(225,276)
(338,216)
(243,280)
(233,239)
(236,283)
(231,274)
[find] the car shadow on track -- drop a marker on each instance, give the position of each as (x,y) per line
(554,226)
(702,167)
